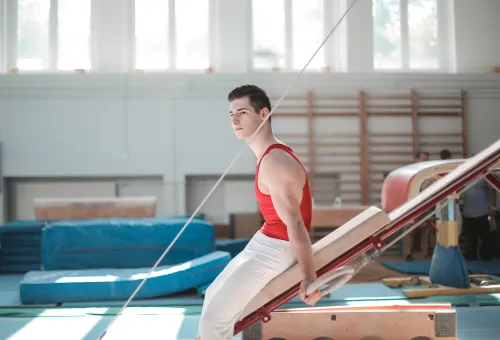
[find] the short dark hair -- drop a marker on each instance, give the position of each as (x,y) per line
(257,97)
(445,154)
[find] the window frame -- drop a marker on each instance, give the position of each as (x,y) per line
(8,39)
(404,66)
(327,49)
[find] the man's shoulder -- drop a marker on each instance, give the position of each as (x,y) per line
(280,159)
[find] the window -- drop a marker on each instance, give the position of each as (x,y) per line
(73,40)
(268,26)
(405,34)
(286,33)
(423,33)
(151,34)
(307,33)
(33,34)
(34,43)
(387,34)
(192,34)
(166,29)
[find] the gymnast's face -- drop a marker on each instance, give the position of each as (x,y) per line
(244,119)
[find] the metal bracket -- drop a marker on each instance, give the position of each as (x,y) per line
(446,325)
(377,242)
(264,315)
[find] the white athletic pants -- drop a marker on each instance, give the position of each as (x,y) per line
(244,277)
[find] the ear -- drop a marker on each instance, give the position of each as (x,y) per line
(264,112)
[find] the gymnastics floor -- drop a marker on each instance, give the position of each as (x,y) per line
(177,317)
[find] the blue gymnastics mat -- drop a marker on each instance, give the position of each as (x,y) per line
(233,246)
(123,243)
(20,246)
(46,287)
(423,267)
(22,226)
(409,267)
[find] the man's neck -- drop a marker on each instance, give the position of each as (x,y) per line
(262,141)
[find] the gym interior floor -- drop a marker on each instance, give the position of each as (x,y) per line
(176,317)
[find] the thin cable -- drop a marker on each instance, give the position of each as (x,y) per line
(225,172)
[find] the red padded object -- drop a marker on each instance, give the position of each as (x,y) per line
(397,187)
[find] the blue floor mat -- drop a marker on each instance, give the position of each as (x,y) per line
(409,267)
(423,267)
(484,267)
(44,287)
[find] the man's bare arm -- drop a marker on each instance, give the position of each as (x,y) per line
(280,174)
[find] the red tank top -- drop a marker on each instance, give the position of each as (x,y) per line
(274,226)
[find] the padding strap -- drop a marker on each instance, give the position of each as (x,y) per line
(340,276)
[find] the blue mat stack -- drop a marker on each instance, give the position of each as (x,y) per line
(20,246)
(123,243)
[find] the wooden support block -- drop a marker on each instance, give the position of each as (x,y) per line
(429,321)
(91,208)
(448,233)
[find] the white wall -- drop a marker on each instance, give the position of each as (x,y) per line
(170,125)
(476,33)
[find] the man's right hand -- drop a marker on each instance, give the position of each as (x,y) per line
(311,299)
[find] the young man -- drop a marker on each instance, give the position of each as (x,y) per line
(283,192)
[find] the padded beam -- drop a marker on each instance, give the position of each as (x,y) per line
(364,225)
(419,321)
(93,208)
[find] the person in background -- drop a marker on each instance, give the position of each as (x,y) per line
(445,154)
(422,156)
(479,205)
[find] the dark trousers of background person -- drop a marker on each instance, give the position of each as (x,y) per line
(476,229)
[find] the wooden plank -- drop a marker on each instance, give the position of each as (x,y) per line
(316,114)
(414,123)
(463,115)
(444,134)
(364,150)
(310,146)
(438,113)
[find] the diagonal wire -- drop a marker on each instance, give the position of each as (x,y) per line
(225,172)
